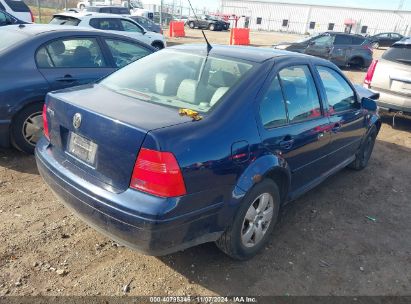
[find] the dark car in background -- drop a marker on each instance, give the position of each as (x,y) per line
(37,59)
(385,39)
(161,160)
(340,48)
(7,19)
(206,22)
(117,10)
(390,76)
(147,24)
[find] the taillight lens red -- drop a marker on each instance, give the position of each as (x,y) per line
(45,122)
(158,173)
(370,73)
(32,16)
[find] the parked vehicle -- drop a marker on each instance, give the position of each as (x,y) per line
(83,4)
(385,39)
(226,24)
(121,25)
(7,19)
(205,22)
(184,147)
(340,48)
(118,10)
(36,59)
(17,9)
(147,24)
(390,76)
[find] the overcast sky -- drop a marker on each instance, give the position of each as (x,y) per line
(380,4)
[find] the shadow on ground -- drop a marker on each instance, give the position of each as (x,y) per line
(18,161)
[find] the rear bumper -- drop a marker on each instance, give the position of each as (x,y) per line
(4,133)
(122,218)
(393,102)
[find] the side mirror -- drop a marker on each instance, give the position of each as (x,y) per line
(368,104)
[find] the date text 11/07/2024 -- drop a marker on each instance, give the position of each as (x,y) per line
(203,299)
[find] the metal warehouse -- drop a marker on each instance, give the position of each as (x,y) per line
(310,19)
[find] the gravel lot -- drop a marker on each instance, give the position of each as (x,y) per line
(324,243)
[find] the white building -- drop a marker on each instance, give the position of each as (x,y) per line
(305,18)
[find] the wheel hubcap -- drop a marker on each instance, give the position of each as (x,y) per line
(33,128)
(257,220)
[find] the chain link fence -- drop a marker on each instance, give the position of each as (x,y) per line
(43,10)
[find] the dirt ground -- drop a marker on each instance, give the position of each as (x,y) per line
(349,236)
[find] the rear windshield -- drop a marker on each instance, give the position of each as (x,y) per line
(398,53)
(120,10)
(9,38)
(17,6)
(178,79)
(64,20)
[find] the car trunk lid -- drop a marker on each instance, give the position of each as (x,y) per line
(101,132)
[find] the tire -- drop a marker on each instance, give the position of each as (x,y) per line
(357,62)
(158,45)
(211,27)
(364,153)
(27,127)
(191,25)
(240,240)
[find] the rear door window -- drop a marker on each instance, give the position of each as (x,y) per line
(340,95)
(358,40)
(300,93)
(17,6)
(272,107)
(125,52)
(71,53)
(342,40)
(399,53)
(108,24)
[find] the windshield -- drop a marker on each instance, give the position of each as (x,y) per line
(178,79)
(8,38)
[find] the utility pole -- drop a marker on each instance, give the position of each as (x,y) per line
(161,13)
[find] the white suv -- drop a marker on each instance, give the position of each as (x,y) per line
(114,23)
(18,9)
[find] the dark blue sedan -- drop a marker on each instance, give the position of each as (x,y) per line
(37,59)
(184,147)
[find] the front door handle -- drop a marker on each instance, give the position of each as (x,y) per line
(287,143)
(336,128)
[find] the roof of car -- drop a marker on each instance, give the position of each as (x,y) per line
(88,14)
(254,54)
(404,41)
(38,29)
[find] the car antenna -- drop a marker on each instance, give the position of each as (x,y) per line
(209,46)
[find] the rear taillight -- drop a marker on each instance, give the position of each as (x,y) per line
(157,173)
(32,16)
(370,73)
(45,123)
(368,47)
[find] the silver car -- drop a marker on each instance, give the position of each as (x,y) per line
(391,77)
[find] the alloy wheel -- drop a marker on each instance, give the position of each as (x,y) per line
(33,128)
(257,220)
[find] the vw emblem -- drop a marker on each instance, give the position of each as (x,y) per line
(77,120)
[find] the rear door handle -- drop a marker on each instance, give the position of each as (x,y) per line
(287,143)
(66,78)
(336,127)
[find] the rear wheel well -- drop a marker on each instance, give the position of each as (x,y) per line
(158,44)
(282,182)
(357,61)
